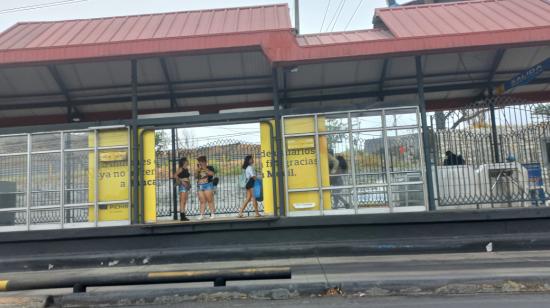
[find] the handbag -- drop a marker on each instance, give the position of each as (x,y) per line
(258,190)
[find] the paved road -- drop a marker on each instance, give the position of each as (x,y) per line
(334,269)
(485,301)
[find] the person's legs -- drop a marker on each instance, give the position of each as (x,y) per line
(255,204)
(246,201)
(202,202)
(183,204)
(209,195)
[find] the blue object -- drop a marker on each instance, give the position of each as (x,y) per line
(536,184)
(258,190)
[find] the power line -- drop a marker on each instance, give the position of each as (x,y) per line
(336,14)
(39,6)
(340,12)
(333,16)
(353,16)
(324,17)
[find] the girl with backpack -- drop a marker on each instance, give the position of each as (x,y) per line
(250,178)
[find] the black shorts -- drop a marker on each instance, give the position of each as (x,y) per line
(249,183)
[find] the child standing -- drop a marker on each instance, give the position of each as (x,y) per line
(250,174)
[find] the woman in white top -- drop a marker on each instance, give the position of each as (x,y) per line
(250,175)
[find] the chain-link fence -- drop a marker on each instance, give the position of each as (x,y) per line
(226,156)
(478,164)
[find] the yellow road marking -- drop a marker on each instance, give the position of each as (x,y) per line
(4,285)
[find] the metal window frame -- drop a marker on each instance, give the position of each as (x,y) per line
(388,183)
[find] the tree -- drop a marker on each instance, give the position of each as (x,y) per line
(161,140)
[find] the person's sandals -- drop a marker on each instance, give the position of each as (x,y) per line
(240,215)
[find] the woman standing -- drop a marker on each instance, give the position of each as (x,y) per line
(183,181)
(250,174)
(205,187)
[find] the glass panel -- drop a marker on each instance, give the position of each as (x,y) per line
(407,195)
(113,185)
(79,140)
(77,215)
(333,122)
(46,216)
(404,151)
(13,218)
(77,177)
(401,117)
(13,181)
(366,119)
(339,156)
(113,212)
(299,125)
(45,179)
(113,177)
(13,144)
(112,137)
(301,160)
(370,162)
(304,201)
(46,142)
(372,197)
(340,199)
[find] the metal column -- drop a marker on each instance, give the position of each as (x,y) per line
(425,133)
(135,148)
(494,132)
(174,187)
(278,142)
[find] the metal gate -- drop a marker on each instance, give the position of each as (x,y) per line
(225,155)
(480,163)
(51,180)
(366,161)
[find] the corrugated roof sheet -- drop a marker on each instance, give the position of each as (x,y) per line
(343,37)
(465,17)
(143,27)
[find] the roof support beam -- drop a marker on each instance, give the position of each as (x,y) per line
(143,86)
(383,78)
(135,146)
(173,100)
(425,133)
(72,111)
(492,72)
(265,90)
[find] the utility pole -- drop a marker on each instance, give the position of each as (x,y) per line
(297,16)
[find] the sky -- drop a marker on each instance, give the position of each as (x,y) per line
(315,16)
(312,11)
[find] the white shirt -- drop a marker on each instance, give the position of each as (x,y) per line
(249,172)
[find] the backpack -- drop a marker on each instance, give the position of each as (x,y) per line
(242,180)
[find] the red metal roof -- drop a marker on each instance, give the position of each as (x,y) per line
(343,37)
(465,17)
(412,30)
(143,27)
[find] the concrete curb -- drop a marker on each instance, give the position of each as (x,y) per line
(26,301)
(512,242)
(289,291)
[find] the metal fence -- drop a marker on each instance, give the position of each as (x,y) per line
(46,181)
(381,152)
(478,164)
(226,156)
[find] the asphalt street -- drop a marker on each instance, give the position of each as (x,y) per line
(485,301)
(329,270)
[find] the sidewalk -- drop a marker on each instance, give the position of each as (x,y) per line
(501,272)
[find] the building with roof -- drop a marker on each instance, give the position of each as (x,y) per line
(70,81)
